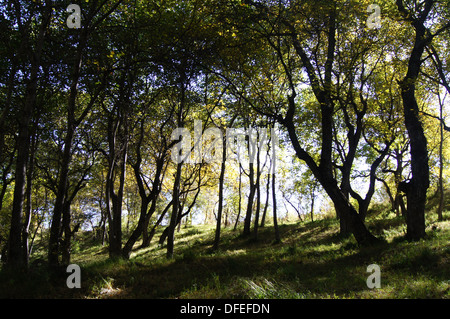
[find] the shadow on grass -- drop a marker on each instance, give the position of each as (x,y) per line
(313,261)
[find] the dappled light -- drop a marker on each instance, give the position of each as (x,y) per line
(225,149)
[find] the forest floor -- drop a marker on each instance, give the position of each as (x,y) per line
(313,261)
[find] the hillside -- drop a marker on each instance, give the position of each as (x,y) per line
(313,261)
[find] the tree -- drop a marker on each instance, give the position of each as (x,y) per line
(221,184)
(416,189)
(149,196)
(32,50)
(285,39)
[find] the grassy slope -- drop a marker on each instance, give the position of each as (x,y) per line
(313,261)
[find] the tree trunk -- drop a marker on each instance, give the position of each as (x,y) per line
(126,251)
(348,215)
(26,226)
(251,196)
(146,240)
(67,154)
(15,257)
(419,183)
(239,199)
(220,208)
(348,212)
(55,228)
(266,205)
(258,195)
(15,251)
(66,242)
(115,234)
(274,201)
(441,167)
(175,208)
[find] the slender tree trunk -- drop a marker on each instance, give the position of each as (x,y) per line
(344,225)
(175,208)
(221,181)
(266,205)
(15,249)
(251,175)
(258,195)
(441,168)
(67,155)
(15,257)
(55,228)
(239,198)
(312,205)
(274,202)
(251,196)
(146,200)
(115,237)
(26,226)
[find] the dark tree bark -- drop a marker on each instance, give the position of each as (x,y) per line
(266,205)
(117,162)
(63,179)
(253,186)
(15,251)
(416,191)
(29,208)
(175,212)
(239,198)
(274,193)
(251,196)
(441,167)
(146,240)
(258,192)
(323,171)
(221,199)
(115,216)
(328,182)
(146,199)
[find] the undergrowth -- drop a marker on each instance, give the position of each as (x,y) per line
(312,261)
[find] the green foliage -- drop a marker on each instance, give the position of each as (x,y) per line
(113,91)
